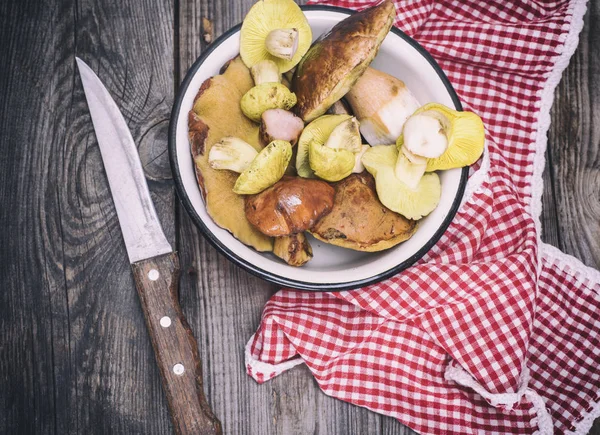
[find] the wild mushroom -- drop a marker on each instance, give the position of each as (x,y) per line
(231,153)
(465,133)
(382,103)
(279,124)
(258,170)
(359,221)
(290,206)
(412,203)
(327,147)
(276,30)
(336,61)
(358,166)
(345,135)
(318,131)
(266,169)
(293,249)
(336,159)
(264,97)
(265,71)
(331,164)
(216,114)
(437,137)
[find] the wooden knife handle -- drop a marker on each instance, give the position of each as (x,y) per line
(176,350)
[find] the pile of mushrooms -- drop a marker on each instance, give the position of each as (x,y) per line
(330,87)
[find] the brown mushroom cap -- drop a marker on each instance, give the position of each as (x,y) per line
(334,63)
(359,221)
(217,114)
(290,206)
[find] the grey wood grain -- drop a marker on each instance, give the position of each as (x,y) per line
(76,357)
(571,201)
(574,142)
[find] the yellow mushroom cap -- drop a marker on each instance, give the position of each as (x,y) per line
(465,133)
(266,96)
(318,130)
(266,169)
(266,16)
(412,203)
(330,164)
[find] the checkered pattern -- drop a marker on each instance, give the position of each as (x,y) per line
(491,331)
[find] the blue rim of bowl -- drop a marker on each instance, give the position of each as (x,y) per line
(269,276)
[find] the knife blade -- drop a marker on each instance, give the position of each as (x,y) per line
(154,263)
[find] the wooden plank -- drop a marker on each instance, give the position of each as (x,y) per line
(574,155)
(78,358)
(574,142)
(34,325)
(224,304)
(549,218)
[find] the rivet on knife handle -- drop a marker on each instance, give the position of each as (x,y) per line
(174,345)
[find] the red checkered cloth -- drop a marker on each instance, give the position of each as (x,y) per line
(492,331)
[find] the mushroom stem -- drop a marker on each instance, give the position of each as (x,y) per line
(382,103)
(282,43)
(358,165)
(265,71)
(409,168)
(293,249)
(424,135)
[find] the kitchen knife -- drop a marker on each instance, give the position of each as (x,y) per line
(154,263)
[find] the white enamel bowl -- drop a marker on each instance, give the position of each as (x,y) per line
(332,268)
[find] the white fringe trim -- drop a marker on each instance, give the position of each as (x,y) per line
(269,371)
(456,373)
(584,426)
(477,178)
(571,265)
(543,420)
(570,41)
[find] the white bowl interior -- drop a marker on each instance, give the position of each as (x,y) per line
(330,264)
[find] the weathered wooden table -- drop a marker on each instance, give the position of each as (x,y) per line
(74,352)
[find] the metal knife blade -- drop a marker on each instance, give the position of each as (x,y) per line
(143,234)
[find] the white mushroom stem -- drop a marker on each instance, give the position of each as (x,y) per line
(282,43)
(413,158)
(358,165)
(410,173)
(265,71)
(424,136)
(382,104)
